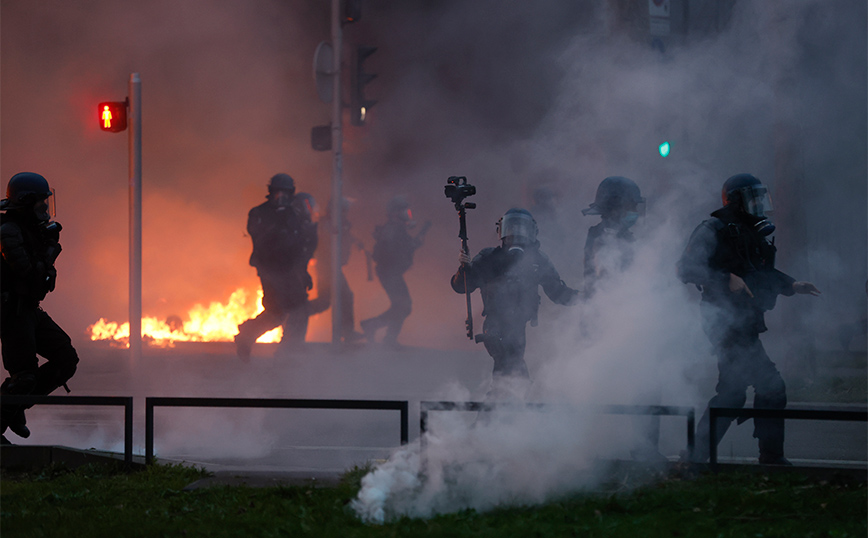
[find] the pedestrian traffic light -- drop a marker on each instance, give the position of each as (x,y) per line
(112,116)
(664,149)
(359,105)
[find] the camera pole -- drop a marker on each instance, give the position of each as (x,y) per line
(461,206)
(462,233)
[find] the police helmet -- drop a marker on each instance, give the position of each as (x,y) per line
(615,194)
(399,207)
(281,182)
(25,189)
(518,224)
(746,193)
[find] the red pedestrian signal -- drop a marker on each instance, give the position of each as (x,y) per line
(112,116)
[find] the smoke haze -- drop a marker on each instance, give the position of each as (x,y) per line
(513,95)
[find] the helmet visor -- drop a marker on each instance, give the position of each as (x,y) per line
(52,204)
(520,226)
(637,206)
(42,206)
(757,200)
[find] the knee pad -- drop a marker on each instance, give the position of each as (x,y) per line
(404,309)
(776,399)
(66,371)
(771,392)
(65,367)
(53,375)
(730,398)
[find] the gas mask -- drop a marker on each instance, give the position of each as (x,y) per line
(763,226)
(628,219)
(282,199)
(42,211)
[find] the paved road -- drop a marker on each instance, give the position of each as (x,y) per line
(328,440)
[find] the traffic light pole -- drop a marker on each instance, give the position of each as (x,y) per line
(135,139)
(337,169)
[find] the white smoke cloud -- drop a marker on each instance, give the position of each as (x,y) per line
(719,100)
(636,343)
(497,458)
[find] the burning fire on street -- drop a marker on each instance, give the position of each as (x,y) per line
(217,322)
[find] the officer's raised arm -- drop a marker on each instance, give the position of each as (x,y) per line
(805,288)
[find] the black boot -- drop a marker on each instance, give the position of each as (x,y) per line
(774,459)
(772,452)
(243,344)
(369,328)
(12,417)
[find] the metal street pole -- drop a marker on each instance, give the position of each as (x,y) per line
(337,167)
(135,138)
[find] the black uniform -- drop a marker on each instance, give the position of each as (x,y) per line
(609,246)
(284,240)
(393,254)
(29,249)
(509,282)
(609,250)
(728,243)
(606,249)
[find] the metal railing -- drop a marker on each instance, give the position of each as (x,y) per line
(125,401)
(425,408)
(749,412)
(656,410)
(281,403)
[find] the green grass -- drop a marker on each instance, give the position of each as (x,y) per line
(95,501)
(834,377)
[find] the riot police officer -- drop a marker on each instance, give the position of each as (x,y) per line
(731,260)
(609,250)
(29,244)
(284,240)
(609,246)
(509,277)
(394,248)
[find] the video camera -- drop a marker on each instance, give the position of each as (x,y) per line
(457,189)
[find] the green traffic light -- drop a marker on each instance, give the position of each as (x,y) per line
(664,149)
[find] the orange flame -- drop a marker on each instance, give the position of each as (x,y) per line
(216,323)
